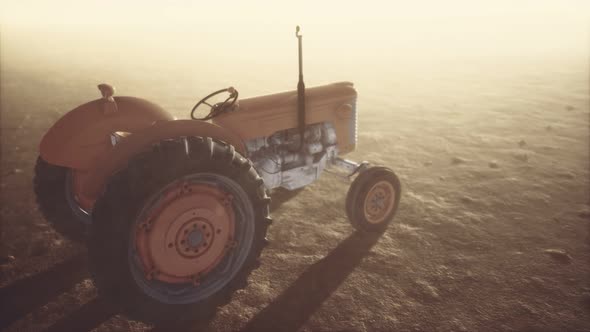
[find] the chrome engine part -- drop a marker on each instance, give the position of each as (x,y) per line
(283,163)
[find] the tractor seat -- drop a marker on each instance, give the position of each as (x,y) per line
(314,95)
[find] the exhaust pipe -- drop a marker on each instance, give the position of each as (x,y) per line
(300,93)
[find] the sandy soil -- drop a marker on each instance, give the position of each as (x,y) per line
(492,231)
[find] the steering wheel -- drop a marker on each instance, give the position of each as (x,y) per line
(218,108)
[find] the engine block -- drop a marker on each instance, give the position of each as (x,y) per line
(283,162)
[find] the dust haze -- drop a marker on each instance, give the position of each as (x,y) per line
(481,109)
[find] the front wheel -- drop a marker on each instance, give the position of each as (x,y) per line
(373,199)
(178,231)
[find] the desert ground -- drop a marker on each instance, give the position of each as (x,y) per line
(492,233)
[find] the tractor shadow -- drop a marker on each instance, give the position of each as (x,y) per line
(28,294)
(288,312)
(279,196)
(85,318)
(292,308)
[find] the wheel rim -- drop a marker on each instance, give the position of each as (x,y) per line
(191,238)
(186,234)
(72,198)
(379,202)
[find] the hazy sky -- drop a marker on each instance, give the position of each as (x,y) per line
(159,49)
(468,24)
(273,11)
(243,32)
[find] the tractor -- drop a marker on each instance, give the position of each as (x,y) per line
(175,212)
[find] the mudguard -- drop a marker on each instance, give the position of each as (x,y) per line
(81,139)
(82,135)
(143,139)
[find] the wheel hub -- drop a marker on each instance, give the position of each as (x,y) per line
(186,234)
(194,239)
(379,202)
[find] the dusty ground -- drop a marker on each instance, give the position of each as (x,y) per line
(492,231)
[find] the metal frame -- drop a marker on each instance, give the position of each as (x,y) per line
(350,168)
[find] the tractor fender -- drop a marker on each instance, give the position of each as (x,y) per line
(143,139)
(82,135)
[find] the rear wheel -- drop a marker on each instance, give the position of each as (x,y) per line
(178,230)
(57,202)
(373,199)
